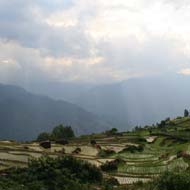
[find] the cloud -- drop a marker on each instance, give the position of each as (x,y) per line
(22,65)
(185,71)
(31,25)
(8,68)
(92,41)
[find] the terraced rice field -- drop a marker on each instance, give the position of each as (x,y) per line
(131,180)
(156,157)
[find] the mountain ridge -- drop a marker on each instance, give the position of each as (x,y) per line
(23,115)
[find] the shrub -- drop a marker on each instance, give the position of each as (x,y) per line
(45,173)
(105,153)
(93,142)
(132,149)
(111,165)
(174,181)
(111,181)
(77,150)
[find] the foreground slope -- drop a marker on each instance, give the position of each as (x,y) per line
(141,155)
(23,115)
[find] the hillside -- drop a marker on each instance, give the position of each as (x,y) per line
(23,115)
(132,157)
(124,103)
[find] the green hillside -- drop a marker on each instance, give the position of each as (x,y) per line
(135,157)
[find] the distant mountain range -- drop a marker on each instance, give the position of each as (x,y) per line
(24,115)
(139,101)
(91,108)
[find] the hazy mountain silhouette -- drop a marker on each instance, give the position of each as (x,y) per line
(132,102)
(24,115)
(139,101)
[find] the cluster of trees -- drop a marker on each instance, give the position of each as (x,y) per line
(59,132)
(164,123)
(45,173)
(138,128)
(112,132)
(167,121)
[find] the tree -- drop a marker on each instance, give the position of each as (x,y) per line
(186,113)
(112,131)
(62,132)
(162,124)
(43,137)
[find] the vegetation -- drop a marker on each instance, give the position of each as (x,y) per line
(173,181)
(111,132)
(62,173)
(109,166)
(106,152)
(186,113)
(43,137)
(59,132)
(133,149)
(148,158)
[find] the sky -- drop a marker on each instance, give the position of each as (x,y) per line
(90,41)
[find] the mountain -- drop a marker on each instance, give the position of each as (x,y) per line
(68,91)
(24,115)
(139,101)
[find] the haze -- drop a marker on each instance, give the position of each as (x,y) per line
(114,59)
